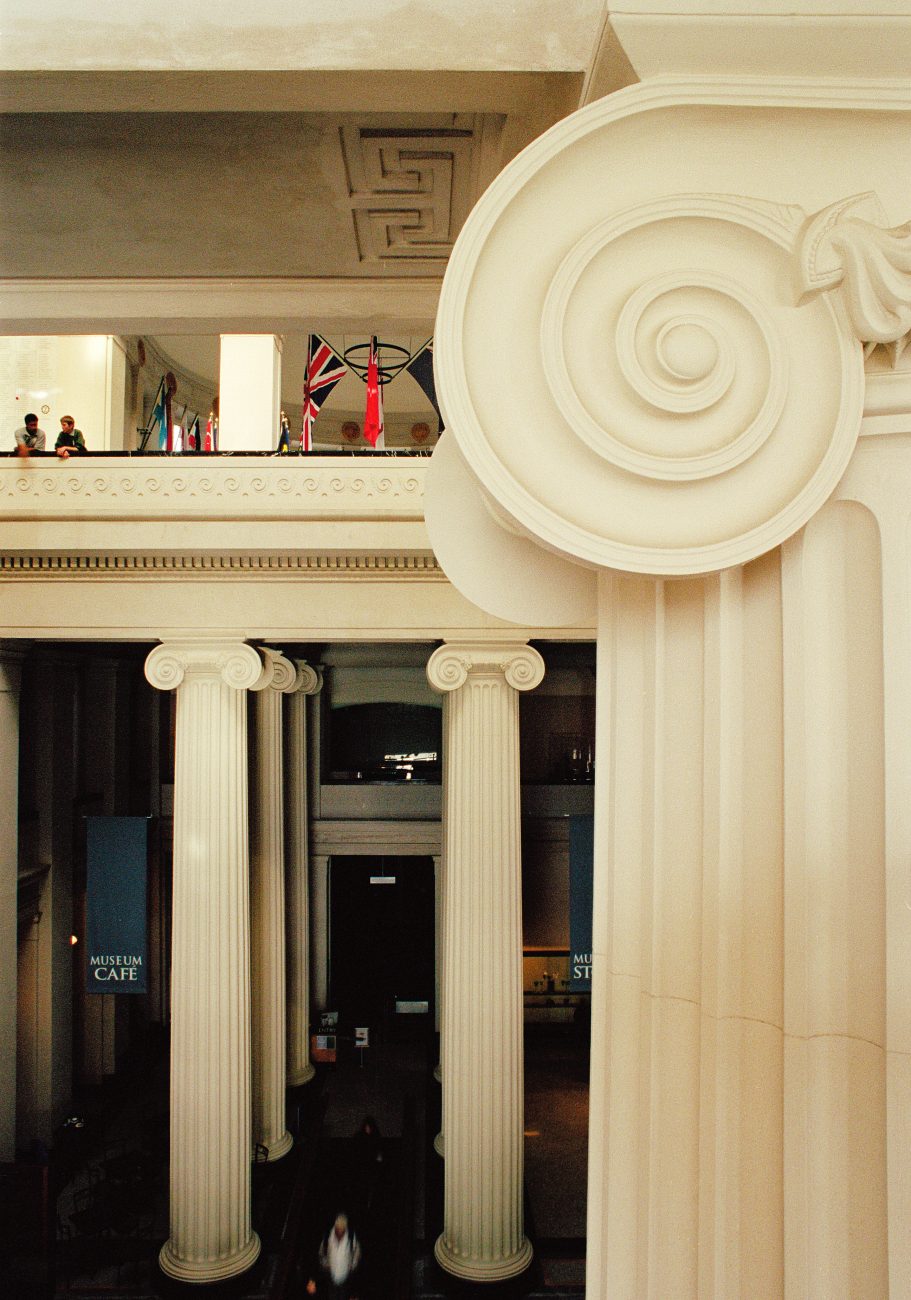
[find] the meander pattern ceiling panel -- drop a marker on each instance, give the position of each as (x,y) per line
(235,194)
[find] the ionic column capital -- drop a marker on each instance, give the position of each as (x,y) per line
(279,673)
(450,666)
(309,680)
(236,663)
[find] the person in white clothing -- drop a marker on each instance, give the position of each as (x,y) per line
(339,1256)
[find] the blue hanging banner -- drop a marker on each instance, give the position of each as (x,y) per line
(115,904)
(581,874)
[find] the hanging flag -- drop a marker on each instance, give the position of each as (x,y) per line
(181,433)
(160,417)
(170,388)
(374,430)
(196,436)
(324,370)
(420,367)
(208,444)
(284,437)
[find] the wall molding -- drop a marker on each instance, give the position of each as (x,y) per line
(212,487)
(256,567)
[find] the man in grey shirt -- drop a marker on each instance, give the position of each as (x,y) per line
(30,436)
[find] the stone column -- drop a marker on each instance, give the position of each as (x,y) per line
(483,1236)
(297,884)
(10,674)
(319,929)
(249,388)
(267,911)
(836,950)
(440,917)
(211,1237)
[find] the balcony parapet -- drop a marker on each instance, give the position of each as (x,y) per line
(211,488)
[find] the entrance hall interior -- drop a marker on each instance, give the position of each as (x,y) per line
(95,740)
(626,568)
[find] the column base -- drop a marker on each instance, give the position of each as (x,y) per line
(438,1145)
(281,1147)
(216,1270)
(478,1270)
(302,1075)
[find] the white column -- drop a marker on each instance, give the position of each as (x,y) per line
(10,675)
(267,910)
(685,1147)
(249,392)
(297,884)
(483,1234)
(835,955)
(319,929)
(439,1145)
(210,1233)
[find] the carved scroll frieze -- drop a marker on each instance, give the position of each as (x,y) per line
(218,487)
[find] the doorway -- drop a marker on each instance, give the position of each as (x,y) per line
(382,924)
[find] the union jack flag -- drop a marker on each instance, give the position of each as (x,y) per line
(324,369)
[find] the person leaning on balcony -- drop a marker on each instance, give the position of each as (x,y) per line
(69,439)
(29,437)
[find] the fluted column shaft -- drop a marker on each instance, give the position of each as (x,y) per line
(10,680)
(319,929)
(297,884)
(210,1230)
(267,912)
(483,1232)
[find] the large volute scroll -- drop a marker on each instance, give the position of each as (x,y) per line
(655,387)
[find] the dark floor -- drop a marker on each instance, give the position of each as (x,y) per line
(111,1210)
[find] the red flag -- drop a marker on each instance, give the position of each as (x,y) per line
(373,418)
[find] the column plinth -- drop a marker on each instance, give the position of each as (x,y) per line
(300,1067)
(483,1235)
(267,915)
(211,1237)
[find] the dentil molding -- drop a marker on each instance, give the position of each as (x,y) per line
(161,567)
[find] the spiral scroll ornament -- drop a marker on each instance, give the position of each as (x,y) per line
(283,672)
(447,668)
(668,406)
(524,669)
(450,666)
(309,680)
